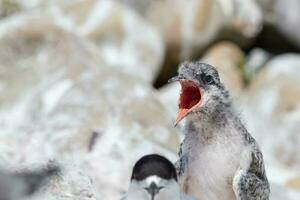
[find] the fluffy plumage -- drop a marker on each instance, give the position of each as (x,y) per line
(219,159)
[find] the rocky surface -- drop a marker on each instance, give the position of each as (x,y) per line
(228,59)
(279,192)
(188,28)
(76,86)
(116,32)
(61,99)
(192,26)
(255,60)
(284,15)
(273,103)
(71,183)
(271,107)
(288,19)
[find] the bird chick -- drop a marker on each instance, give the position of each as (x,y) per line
(216,141)
(154,178)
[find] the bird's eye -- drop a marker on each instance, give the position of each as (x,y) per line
(208,79)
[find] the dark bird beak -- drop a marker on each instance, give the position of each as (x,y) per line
(153,189)
(175,79)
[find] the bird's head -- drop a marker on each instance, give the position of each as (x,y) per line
(154,175)
(201,90)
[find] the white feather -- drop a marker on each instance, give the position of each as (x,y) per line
(211,167)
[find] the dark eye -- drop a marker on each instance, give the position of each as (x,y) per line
(207,79)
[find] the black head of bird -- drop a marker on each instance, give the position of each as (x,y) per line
(154,174)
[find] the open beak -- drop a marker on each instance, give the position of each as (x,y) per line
(190,97)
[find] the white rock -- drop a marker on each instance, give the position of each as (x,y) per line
(246,16)
(190,26)
(255,60)
(284,15)
(169,96)
(71,183)
(228,60)
(58,89)
(125,40)
(288,19)
(279,192)
(273,110)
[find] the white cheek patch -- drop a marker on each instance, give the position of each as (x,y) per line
(153,179)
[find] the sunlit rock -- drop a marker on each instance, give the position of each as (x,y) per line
(72,182)
(284,15)
(125,39)
(288,19)
(279,192)
(8,8)
(272,110)
(62,99)
(256,59)
(294,183)
(37,55)
(169,96)
(191,25)
(228,60)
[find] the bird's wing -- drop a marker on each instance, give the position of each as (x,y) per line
(250,181)
(180,166)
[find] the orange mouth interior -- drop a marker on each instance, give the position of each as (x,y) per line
(190,98)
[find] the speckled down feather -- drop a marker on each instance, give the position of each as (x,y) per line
(219,159)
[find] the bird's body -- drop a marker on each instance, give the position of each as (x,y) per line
(218,158)
(212,160)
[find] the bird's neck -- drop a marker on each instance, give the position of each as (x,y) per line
(207,126)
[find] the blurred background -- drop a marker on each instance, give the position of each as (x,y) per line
(84,83)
